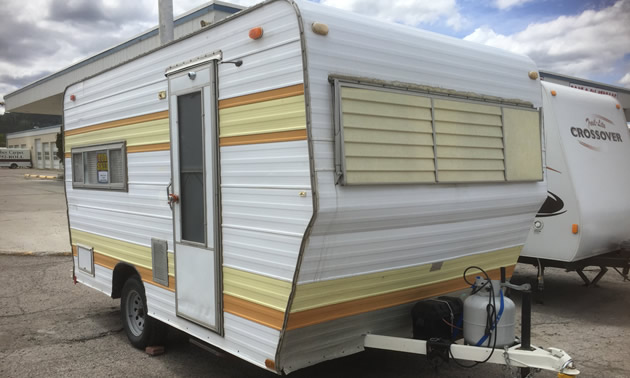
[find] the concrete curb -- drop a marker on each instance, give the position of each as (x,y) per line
(28,175)
(29,253)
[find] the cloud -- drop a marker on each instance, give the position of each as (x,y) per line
(508,4)
(591,42)
(37,38)
(407,12)
(625,80)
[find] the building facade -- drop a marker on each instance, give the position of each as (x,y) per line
(41,142)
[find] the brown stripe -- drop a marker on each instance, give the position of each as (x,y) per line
(328,313)
(145,274)
(141,148)
(273,94)
(149,148)
(75,250)
(120,122)
(253,311)
(281,136)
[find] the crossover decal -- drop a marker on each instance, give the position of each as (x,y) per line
(595,131)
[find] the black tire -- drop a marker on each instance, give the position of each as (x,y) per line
(13,166)
(141,329)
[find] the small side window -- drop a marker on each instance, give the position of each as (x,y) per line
(100,167)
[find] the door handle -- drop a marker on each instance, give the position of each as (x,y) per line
(171,197)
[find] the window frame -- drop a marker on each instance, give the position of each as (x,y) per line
(337,83)
(122,146)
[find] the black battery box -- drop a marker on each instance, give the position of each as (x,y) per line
(437,318)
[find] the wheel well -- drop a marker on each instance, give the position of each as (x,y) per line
(122,272)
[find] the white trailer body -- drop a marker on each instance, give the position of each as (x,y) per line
(587,152)
(15,157)
(347,168)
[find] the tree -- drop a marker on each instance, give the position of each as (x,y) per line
(60,152)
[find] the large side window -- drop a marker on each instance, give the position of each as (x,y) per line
(100,167)
(390,136)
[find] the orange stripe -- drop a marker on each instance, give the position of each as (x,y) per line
(281,136)
(273,94)
(340,310)
(141,148)
(253,311)
(75,250)
(149,148)
(145,274)
(120,122)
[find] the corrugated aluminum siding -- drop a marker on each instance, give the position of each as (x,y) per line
(370,228)
(264,215)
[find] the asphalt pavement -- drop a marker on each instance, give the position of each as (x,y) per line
(50,327)
(33,215)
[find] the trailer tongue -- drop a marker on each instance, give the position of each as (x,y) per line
(551,359)
(496,331)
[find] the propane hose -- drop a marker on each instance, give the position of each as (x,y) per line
(491,314)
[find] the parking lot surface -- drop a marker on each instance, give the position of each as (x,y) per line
(32,213)
(50,327)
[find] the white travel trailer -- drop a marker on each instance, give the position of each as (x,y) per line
(324,171)
(587,210)
(15,157)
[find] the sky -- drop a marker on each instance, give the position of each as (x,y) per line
(584,38)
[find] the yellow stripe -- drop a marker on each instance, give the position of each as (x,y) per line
(254,312)
(137,134)
(285,114)
(255,288)
(325,293)
(337,311)
(283,136)
(273,94)
(119,250)
(120,122)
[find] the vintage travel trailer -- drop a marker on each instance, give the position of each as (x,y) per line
(294,177)
(586,213)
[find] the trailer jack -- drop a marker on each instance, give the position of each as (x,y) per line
(552,359)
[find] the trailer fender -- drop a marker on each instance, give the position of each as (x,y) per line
(122,272)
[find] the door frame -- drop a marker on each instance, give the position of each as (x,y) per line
(211,62)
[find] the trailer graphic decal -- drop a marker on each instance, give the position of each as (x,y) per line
(595,130)
(553,206)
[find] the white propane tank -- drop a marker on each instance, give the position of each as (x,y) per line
(475,316)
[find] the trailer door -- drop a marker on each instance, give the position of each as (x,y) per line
(192,105)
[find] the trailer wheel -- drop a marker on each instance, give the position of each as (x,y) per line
(141,329)
(13,166)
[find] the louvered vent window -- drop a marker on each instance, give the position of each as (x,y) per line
(386,136)
(100,167)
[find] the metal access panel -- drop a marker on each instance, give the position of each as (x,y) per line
(159,258)
(85,259)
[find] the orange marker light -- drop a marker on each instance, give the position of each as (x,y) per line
(618,106)
(256,33)
(73,98)
(553,93)
(270,364)
(574,228)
